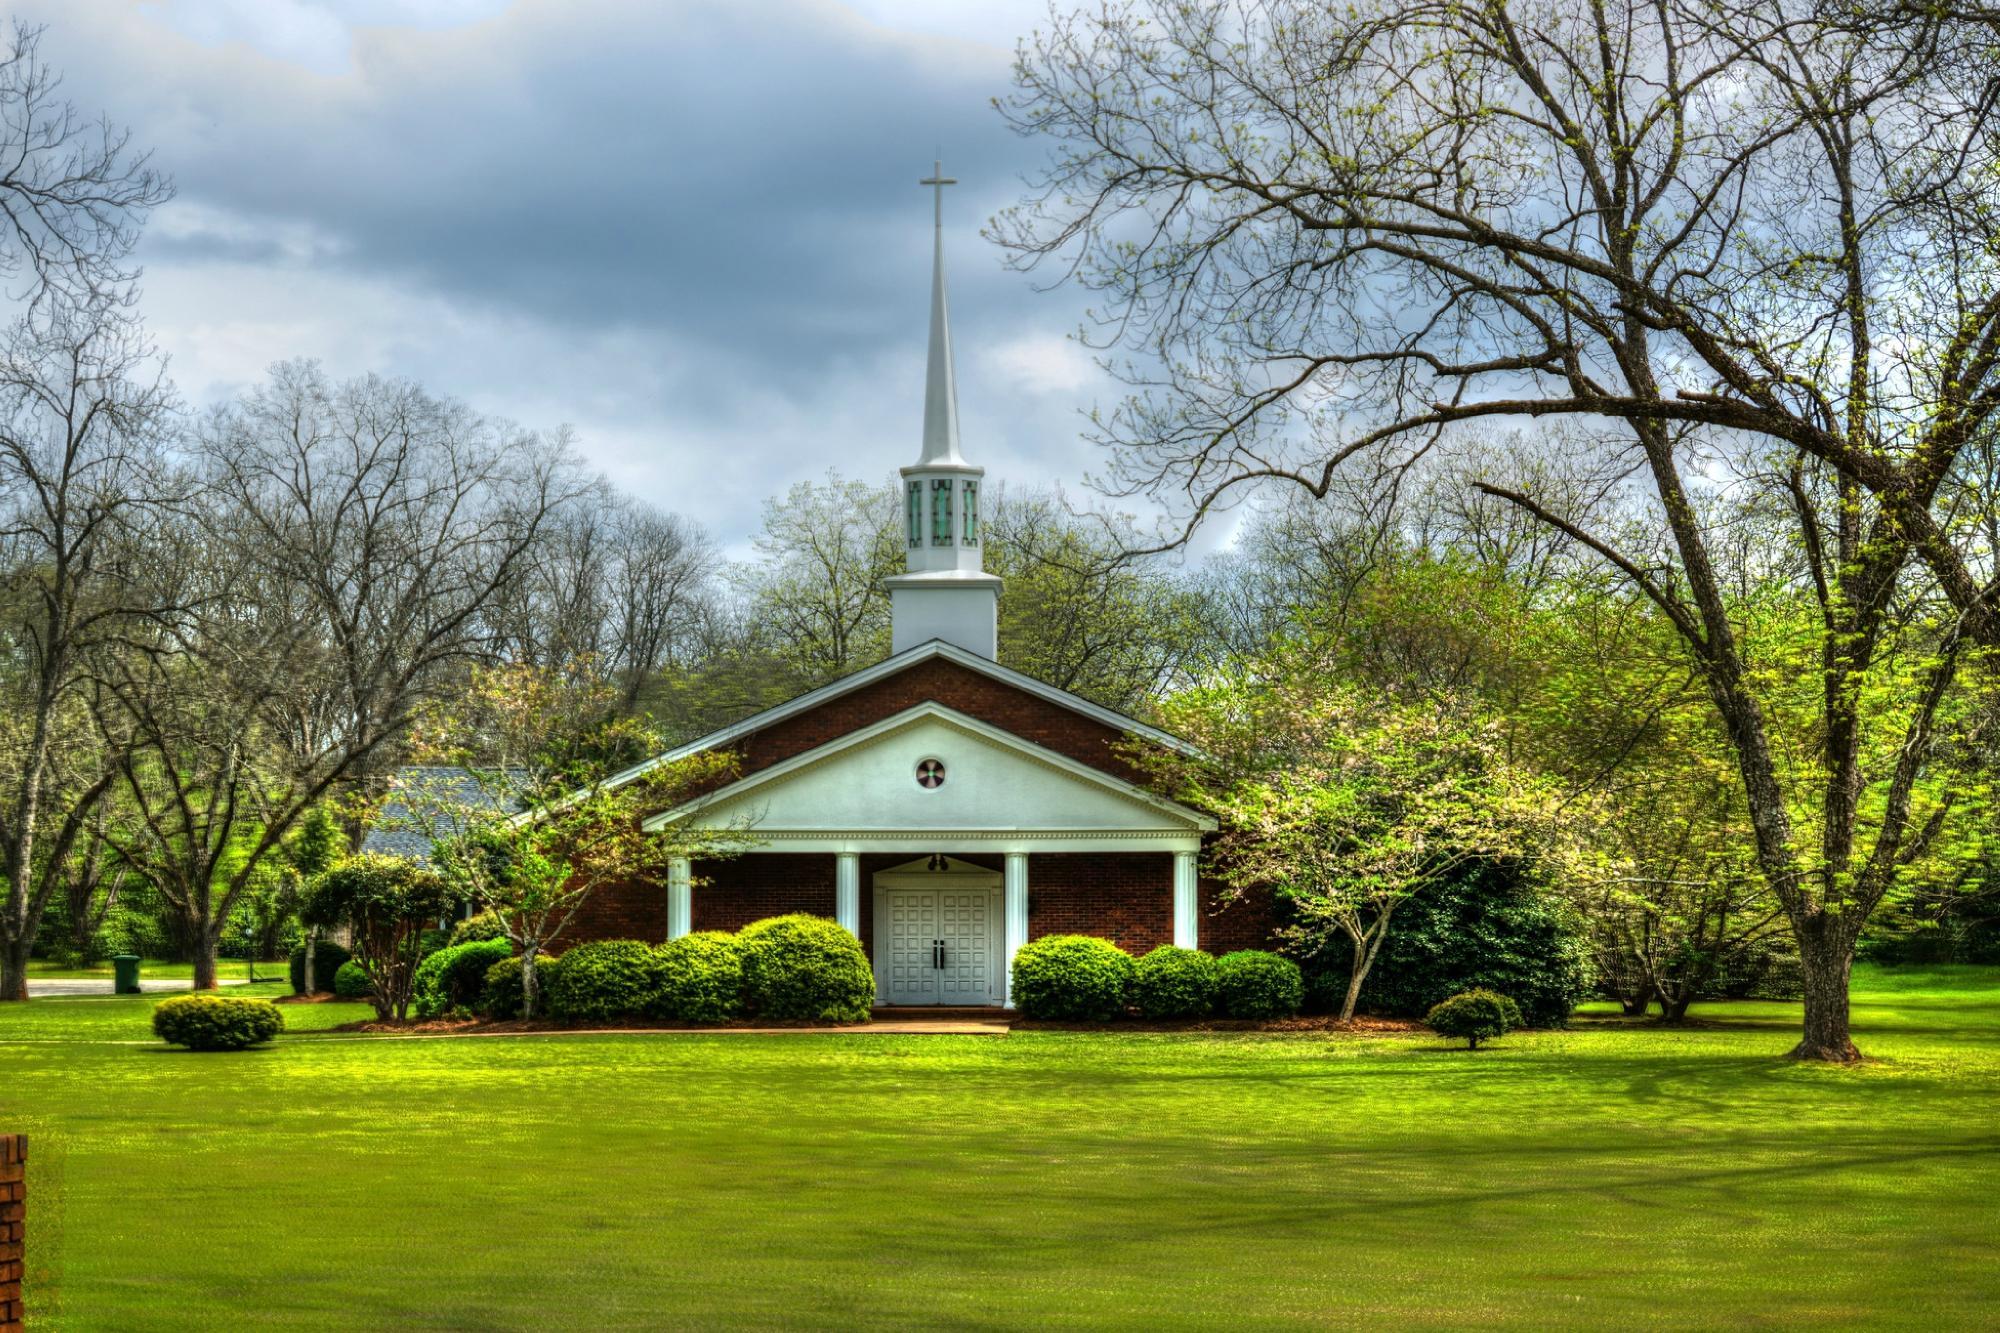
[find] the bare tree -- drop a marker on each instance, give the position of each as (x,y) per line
(73,191)
(616,589)
(82,411)
(818,591)
(1758,238)
(390,521)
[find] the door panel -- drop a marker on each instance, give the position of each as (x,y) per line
(965,924)
(912,976)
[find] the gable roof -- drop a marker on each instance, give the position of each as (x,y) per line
(863,737)
(889,666)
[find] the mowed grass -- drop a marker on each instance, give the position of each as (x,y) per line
(150,969)
(1614,1175)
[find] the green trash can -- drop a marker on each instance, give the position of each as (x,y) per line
(125,970)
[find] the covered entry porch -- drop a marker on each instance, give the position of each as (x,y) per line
(946,844)
(941,924)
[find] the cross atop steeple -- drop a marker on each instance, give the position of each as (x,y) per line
(940,180)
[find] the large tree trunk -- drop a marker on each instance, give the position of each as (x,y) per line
(204,957)
(14,969)
(1826,955)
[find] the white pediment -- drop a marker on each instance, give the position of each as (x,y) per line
(989,782)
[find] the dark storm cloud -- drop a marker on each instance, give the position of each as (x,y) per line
(742,172)
(691,229)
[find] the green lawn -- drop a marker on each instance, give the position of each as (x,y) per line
(1615,1175)
(42,969)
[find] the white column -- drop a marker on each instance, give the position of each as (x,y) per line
(1015,911)
(1187,912)
(680,898)
(847,891)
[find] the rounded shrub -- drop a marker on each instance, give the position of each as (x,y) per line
(1174,983)
(452,977)
(485,926)
(1072,978)
(700,978)
(327,960)
(604,979)
(350,982)
(216,1022)
(1252,983)
(1476,1015)
(805,967)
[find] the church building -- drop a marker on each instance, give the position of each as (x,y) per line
(944,808)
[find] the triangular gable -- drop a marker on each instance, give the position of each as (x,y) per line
(993,780)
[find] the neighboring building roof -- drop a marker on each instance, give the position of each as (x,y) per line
(889,666)
(397,832)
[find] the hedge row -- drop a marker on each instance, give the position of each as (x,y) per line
(1081,978)
(786,967)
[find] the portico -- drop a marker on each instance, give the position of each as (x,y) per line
(934,820)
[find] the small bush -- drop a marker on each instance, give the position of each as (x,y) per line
(1174,983)
(485,926)
(350,982)
(805,967)
(1476,1015)
(1252,983)
(216,1022)
(1072,978)
(500,997)
(605,979)
(452,977)
(700,978)
(327,960)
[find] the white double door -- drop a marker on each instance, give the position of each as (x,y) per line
(938,944)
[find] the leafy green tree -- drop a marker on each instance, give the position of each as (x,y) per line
(1346,236)
(386,903)
(1347,804)
(540,801)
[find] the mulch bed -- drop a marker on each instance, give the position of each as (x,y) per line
(472,1026)
(1304,1023)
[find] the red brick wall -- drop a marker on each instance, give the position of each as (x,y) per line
(13,1229)
(631,910)
(1125,897)
(750,888)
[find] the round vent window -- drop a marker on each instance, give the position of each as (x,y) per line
(930,773)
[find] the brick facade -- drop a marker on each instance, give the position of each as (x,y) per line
(1126,897)
(13,1229)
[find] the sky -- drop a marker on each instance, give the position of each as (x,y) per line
(689,229)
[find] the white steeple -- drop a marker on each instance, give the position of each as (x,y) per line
(940,385)
(946,594)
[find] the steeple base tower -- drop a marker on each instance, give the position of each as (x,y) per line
(961,607)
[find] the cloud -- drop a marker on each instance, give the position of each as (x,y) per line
(692,229)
